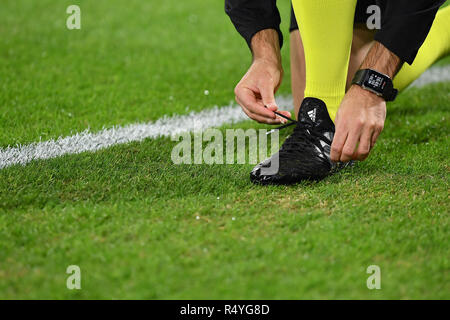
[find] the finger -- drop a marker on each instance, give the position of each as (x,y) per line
(349,149)
(259,118)
(375,136)
(272,108)
(283,116)
(246,98)
(285,113)
(338,143)
(266,91)
(365,143)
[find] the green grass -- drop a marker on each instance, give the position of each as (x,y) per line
(131,61)
(128,217)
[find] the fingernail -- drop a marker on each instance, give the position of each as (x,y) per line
(282,120)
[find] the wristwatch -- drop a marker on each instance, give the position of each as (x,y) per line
(376,82)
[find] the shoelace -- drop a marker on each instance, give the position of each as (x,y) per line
(299,139)
(283,126)
(303,136)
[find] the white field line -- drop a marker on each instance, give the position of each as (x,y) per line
(163,127)
(433,75)
(88,141)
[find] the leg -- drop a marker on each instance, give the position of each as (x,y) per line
(326,31)
(362,41)
(361,44)
(435,47)
(298,74)
(326,76)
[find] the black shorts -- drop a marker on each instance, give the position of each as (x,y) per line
(361,14)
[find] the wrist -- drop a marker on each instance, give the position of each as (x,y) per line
(356,89)
(266,47)
(376,82)
(268,63)
(382,60)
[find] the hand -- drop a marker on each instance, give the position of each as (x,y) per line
(359,122)
(256,90)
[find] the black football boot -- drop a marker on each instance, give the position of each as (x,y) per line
(305,155)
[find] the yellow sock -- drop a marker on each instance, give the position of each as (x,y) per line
(435,46)
(326,28)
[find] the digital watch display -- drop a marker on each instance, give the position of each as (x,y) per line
(376,82)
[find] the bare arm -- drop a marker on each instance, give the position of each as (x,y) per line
(265,45)
(379,58)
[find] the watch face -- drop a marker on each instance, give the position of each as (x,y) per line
(375,82)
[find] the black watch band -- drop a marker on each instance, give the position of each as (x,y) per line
(376,82)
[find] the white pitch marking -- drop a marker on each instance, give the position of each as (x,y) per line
(88,141)
(433,75)
(163,127)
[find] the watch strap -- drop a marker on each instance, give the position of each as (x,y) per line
(388,92)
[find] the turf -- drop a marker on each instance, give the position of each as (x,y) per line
(131,61)
(140,227)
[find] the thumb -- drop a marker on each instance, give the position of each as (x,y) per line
(268,97)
